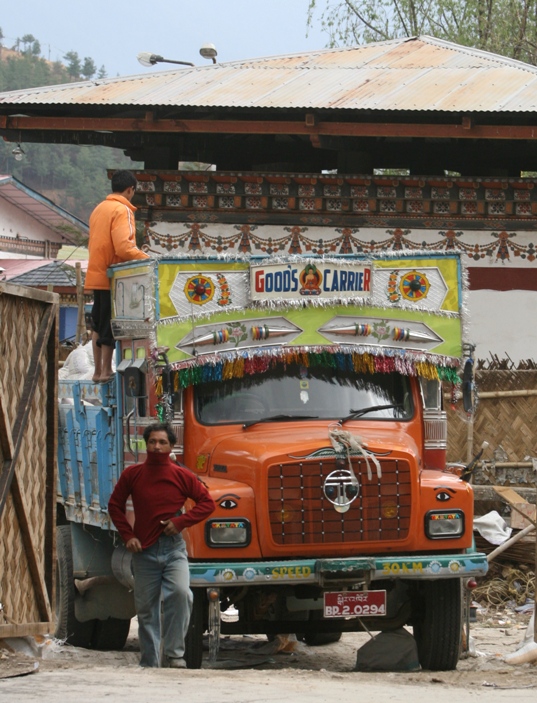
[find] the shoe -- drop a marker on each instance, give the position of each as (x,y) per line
(175,663)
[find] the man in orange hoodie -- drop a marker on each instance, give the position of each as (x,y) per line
(112,239)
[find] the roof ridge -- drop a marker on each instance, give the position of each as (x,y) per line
(472,51)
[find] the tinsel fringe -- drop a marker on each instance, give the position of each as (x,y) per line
(240,363)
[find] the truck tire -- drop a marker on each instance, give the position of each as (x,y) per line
(437,624)
(196,629)
(318,639)
(68,628)
(110,634)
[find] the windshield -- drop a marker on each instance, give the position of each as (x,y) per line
(304,393)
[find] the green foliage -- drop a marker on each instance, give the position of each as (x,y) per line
(506,27)
(89,69)
(29,71)
(74,66)
(73,177)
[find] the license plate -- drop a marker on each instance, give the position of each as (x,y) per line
(348,604)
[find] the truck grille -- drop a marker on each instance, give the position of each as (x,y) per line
(300,513)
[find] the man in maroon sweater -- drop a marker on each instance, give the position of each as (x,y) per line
(159,489)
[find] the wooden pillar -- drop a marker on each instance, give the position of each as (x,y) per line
(80,320)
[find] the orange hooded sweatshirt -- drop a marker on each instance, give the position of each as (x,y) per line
(112,238)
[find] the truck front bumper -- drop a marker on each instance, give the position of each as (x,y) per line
(330,571)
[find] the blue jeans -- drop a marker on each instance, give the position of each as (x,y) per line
(161,575)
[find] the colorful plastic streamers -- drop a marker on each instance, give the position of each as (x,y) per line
(243,363)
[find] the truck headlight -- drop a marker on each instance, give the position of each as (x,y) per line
(228,533)
(444,524)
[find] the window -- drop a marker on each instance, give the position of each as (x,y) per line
(327,394)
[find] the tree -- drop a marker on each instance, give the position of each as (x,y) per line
(89,69)
(27,40)
(102,72)
(506,27)
(72,176)
(74,66)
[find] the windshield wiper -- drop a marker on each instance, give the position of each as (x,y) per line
(355,414)
(280,418)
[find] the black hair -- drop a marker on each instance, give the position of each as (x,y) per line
(160,427)
(121,180)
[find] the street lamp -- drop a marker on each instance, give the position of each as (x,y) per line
(208,51)
(148,59)
(18,153)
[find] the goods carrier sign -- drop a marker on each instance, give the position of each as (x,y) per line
(310,280)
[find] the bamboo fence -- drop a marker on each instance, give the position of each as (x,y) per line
(28,439)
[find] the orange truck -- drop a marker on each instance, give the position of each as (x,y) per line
(307,393)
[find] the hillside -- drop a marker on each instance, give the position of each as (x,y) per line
(73,177)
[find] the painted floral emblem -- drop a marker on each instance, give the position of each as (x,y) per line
(381,330)
(249,574)
(393,295)
(225,293)
(237,333)
(199,289)
(414,286)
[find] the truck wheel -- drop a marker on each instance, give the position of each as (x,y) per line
(68,628)
(110,634)
(317,639)
(196,628)
(437,624)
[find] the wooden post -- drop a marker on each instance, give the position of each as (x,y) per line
(80,321)
(470,439)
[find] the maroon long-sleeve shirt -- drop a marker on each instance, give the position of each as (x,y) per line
(159,489)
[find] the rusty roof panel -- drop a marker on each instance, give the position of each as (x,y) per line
(406,74)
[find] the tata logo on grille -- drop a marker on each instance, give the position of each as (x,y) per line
(341,488)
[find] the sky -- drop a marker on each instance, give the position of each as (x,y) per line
(112,33)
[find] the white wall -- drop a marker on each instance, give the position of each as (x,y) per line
(503,323)
(14,221)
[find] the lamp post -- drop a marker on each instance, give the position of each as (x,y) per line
(208,51)
(148,59)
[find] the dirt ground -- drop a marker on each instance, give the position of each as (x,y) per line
(249,669)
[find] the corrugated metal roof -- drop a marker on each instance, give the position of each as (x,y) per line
(421,73)
(57,273)
(14,267)
(42,209)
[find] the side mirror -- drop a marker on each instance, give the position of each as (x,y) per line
(468,386)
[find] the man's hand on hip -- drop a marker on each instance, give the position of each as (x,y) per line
(134,545)
(169,528)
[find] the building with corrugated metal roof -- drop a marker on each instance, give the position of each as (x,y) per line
(420,104)
(56,276)
(412,144)
(32,225)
